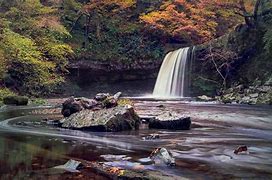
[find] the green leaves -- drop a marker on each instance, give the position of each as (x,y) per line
(34,55)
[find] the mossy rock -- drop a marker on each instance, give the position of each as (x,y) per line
(15,100)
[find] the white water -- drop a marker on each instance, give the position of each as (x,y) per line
(172,76)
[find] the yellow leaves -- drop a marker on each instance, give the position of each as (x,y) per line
(51,22)
(117,171)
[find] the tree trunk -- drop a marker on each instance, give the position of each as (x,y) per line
(256,10)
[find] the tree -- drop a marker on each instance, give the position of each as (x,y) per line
(182,20)
(32,41)
(221,60)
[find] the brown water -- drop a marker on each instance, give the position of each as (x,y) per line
(30,150)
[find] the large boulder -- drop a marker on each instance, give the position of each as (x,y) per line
(15,100)
(102,100)
(113,119)
(170,120)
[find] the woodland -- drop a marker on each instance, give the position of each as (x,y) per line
(42,39)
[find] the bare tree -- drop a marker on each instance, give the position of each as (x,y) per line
(222,60)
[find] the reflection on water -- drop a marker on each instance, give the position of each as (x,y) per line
(30,150)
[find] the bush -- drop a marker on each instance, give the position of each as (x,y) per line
(4,93)
(16,100)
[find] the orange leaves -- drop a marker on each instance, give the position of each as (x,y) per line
(191,21)
(115,170)
(183,19)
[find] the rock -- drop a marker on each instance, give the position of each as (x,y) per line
(255,95)
(102,100)
(170,120)
(70,106)
(109,102)
(15,100)
(264,89)
(151,137)
(119,118)
(162,156)
(245,100)
(268,82)
(101,96)
(204,98)
(71,166)
(240,149)
(117,95)
(240,88)
(228,98)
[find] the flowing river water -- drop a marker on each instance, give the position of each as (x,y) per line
(29,149)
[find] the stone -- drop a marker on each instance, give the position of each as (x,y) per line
(264,89)
(170,120)
(102,100)
(240,149)
(101,96)
(228,98)
(204,98)
(117,95)
(70,166)
(255,95)
(268,82)
(161,156)
(245,100)
(119,118)
(15,100)
(70,106)
(151,137)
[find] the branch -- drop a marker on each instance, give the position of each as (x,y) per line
(210,80)
(256,9)
(74,24)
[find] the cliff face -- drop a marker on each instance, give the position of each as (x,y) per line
(86,72)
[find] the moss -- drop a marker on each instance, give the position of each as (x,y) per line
(4,93)
(15,100)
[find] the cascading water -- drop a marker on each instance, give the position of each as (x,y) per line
(174,76)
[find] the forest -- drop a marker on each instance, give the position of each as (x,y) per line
(41,39)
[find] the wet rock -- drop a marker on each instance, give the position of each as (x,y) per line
(15,100)
(228,98)
(204,98)
(70,106)
(110,157)
(151,137)
(101,96)
(162,156)
(110,102)
(102,100)
(240,149)
(117,95)
(160,106)
(170,120)
(264,89)
(255,95)
(71,166)
(268,82)
(119,118)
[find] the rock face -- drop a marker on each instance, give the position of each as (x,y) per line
(119,118)
(102,100)
(170,120)
(16,100)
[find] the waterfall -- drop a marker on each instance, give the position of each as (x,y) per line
(174,76)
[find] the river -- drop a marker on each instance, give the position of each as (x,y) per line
(29,149)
